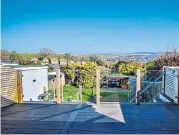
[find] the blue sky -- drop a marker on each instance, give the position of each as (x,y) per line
(90,26)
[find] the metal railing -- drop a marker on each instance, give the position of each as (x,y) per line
(151,85)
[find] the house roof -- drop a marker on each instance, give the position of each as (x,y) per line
(28,67)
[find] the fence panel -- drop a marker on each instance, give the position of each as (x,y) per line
(170,82)
(8,86)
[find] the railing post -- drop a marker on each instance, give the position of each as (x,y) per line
(19,86)
(44,88)
(58,99)
(98,86)
(163,80)
(80,92)
(62,85)
(138,87)
(177,86)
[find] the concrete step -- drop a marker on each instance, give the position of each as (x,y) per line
(163,98)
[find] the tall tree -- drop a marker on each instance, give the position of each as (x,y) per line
(45,53)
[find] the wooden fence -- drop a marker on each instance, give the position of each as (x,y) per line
(10,84)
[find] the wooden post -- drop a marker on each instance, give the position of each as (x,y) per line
(77,95)
(138,87)
(44,88)
(163,80)
(177,86)
(98,86)
(62,85)
(80,88)
(58,99)
(19,86)
(54,93)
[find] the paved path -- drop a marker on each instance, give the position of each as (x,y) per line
(89,119)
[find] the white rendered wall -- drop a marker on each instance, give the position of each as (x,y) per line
(33,82)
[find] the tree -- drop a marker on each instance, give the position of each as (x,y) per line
(169,58)
(127,67)
(86,74)
(4,54)
(68,72)
(50,68)
(45,53)
(14,57)
(68,57)
(96,59)
(25,61)
(80,75)
(101,62)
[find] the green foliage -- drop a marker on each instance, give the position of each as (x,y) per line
(68,72)
(27,55)
(18,57)
(68,57)
(60,56)
(149,65)
(167,59)
(98,60)
(50,68)
(87,73)
(78,74)
(24,61)
(13,56)
(44,53)
(4,54)
(127,68)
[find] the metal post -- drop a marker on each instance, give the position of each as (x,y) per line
(58,99)
(98,86)
(138,87)
(177,86)
(163,80)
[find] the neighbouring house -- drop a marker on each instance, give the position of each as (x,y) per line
(35,60)
(78,62)
(54,61)
(5,60)
(104,70)
(45,61)
(117,81)
(34,81)
(71,62)
(9,64)
(83,62)
(62,62)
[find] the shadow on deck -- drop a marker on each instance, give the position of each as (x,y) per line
(90,119)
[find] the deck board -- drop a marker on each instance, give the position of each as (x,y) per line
(90,119)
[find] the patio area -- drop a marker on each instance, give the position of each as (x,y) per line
(77,118)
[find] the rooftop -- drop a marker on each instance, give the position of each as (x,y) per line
(26,67)
(77,118)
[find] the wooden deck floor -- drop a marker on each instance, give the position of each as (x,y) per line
(90,119)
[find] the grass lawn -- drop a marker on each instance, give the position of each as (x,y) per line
(106,96)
